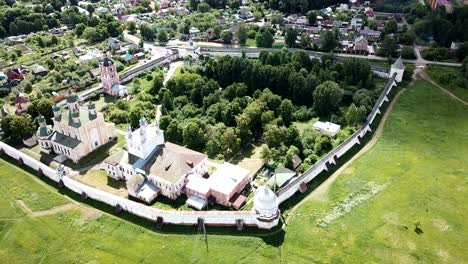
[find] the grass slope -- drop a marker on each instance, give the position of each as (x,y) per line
(446,77)
(420,165)
(413,179)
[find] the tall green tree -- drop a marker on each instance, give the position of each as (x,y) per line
(17,127)
(327,97)
(242,34)
(291,37)
(162,35)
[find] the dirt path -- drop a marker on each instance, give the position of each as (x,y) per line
(86,213)
(321,193)
(426,77)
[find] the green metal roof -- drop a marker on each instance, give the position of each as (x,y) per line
(66,141)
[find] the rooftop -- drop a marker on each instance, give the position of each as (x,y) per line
(172,162)
(64,140)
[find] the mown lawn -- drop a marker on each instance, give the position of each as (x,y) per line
(414,179)
(16,184)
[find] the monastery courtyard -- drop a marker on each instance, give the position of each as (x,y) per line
(401,202)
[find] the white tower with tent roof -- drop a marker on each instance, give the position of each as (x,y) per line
(266,206)
(399,68)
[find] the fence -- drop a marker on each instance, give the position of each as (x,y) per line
(289,190)
(129,75)
(228,218)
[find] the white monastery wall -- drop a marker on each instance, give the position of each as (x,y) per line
(289,190)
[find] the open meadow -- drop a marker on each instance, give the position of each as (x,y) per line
(402,202)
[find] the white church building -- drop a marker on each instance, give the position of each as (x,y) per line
(164,165)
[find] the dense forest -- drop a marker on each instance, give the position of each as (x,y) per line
(225,103)
(18,19)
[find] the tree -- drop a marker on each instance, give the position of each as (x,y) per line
(79,29)
(173,132)
(131,27)
(41,106)
(286,110)
(162,35)
(90,9)
(91,34)
(3,32)
(388,47)
(203,8)
(194,4)
(157,84)
(194,136)
(464,69)
(391,27)
(306,42)
(227,37)
(355,115)
(407,38)
(264,39)
(312,17)
(146,32)
(329,41)
(231,141)
(327,97)
(165,98)
(291,37)
(242,34)
(265,154)
(407,52)
(17,127)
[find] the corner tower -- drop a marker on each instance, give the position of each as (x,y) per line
(266,206)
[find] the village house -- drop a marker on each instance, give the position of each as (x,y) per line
(21,103)
(110,79)
(76,132)
(356,23)
(369,34)
(164,165)
(327,128)
(342,8)
(113,43)
(39,70)
(129,58)
(455,45)
(434,4)
(194,31)
(15,75)
(369,13)
(360,44)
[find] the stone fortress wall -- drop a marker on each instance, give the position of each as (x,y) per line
(289,190)
(221,218)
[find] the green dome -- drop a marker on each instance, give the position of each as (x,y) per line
(71,97)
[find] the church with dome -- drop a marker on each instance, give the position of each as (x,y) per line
(76,131)
(110,79)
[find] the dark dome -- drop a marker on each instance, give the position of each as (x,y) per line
(107,62)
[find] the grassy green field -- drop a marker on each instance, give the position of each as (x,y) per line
(402,202)
(446,76)
(413,180)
